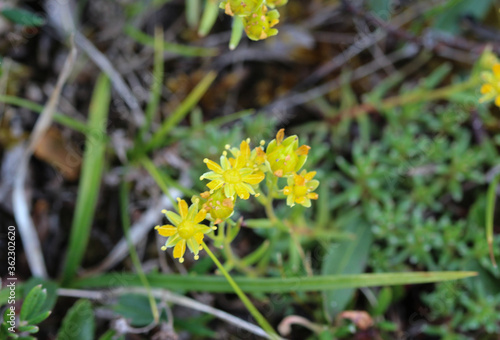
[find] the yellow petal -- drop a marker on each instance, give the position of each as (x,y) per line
(245,149)
(200,216)
(215,184)
(497,101)
(486,88)
(312,195)
(180,249)
(241,161)
(213,166)
(310,175)
(300,200)
(183,208)
(496,70)
(299,180)
(254,178)
(241,191)
(287,190)
(166,230)
(199,237)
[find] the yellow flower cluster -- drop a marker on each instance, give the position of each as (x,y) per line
(258,20)
(238,176)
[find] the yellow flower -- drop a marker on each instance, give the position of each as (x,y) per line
(251,158)
(185,229)
(240,7)
(237,179)
(217,205)
(285,156)
(258,25)
(491,88)
(300,189)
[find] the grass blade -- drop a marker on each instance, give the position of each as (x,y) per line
(58,117)
(490,214)
(184,50)
(218,284)
(157,84)
(193,8)
(208,17)
(92,166)
(182,110)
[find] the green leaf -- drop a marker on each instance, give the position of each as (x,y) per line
(23,17)
(381,8)
(39,317)
(78,324)
(49,286)
(450,20)
(111,335)
(135,308)
(218,284)
(197,326)
(208,17)
(346,257)
(90,180)
(384,300)
(28,328)
(33,303)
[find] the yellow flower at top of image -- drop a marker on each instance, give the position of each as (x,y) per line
(491,87)
(284,155)
(185,230)
(258,25)
(300,189)
(234,179)
(240,7)
(251,158)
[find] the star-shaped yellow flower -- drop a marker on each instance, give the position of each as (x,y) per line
(186,229)
(237,179)
(300,189)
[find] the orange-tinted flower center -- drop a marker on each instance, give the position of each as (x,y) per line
(232,176)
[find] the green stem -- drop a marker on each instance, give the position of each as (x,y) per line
(490,211)
(158,177)
(124,201)
(428,95)
(246,301)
